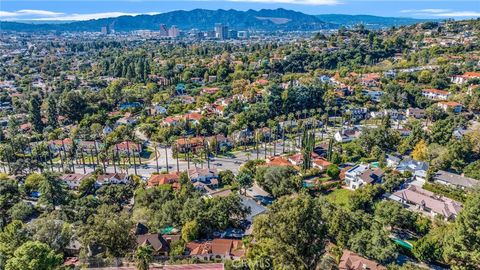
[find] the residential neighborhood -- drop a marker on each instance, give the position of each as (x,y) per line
(226,147)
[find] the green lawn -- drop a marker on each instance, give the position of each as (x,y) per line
(339,196)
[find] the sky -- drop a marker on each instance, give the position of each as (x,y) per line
(68,10)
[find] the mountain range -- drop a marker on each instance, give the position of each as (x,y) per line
(202,19)
(369,21)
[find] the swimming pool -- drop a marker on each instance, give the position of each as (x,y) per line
(403,244)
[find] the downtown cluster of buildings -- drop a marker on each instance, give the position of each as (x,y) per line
(219,32)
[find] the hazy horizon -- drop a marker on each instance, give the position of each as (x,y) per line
(64,10)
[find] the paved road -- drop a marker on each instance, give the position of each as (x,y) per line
(232,162)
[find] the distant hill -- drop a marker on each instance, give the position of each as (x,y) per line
(369,21)
(265,19)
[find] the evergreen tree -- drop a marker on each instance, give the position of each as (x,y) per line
(463,249)
(52,112)
(35,116)
(308,143)
(330,148)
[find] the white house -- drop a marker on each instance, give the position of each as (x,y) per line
(346,135)
(417,168)
(360,175)
(450,105)
(112,178)
(435,94)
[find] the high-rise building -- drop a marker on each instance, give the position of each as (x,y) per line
(173,32)
(107,29)
(221,31)
(242,34)
(233,34)
(163,30)
(104,30)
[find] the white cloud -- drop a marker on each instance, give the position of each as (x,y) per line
(45,15)
(7,14)
(427,10)
(447,13)
(434,10)
(460,14)
(88,16)
(297,2)
(38,12)
(28,13)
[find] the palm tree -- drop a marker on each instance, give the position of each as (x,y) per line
(312,112)
(165,146)
(283,139)
(325,120)
(119,156)
(156,155)
(113,161)
(96,153)
(304,111)
(50,157)
(177,152)
(254,127)
(206,151)
(128,154)
(348,117)
(257,138)
(83,161)
(188,152)
(335,111)
(103,158)
(263,138)
(272,126)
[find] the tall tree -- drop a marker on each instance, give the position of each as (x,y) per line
(34,255)
(52,112)
(73,105)
(53,192)
(308,143)
(292,235)
(11,237)
(35,114)
(110,230)
(463,251)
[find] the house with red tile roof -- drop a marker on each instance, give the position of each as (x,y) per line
(277,161)
(210,90)
(321,163)
(370,79)
(217,249)
(261,82)
(297,159)
(450,106)
(194,117)
(353,261)
(60,145)
(194,144)
(171,120)
(164,179)
(126,147)
(461,79)
(435,94)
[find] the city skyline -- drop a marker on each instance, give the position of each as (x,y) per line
(62,10)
